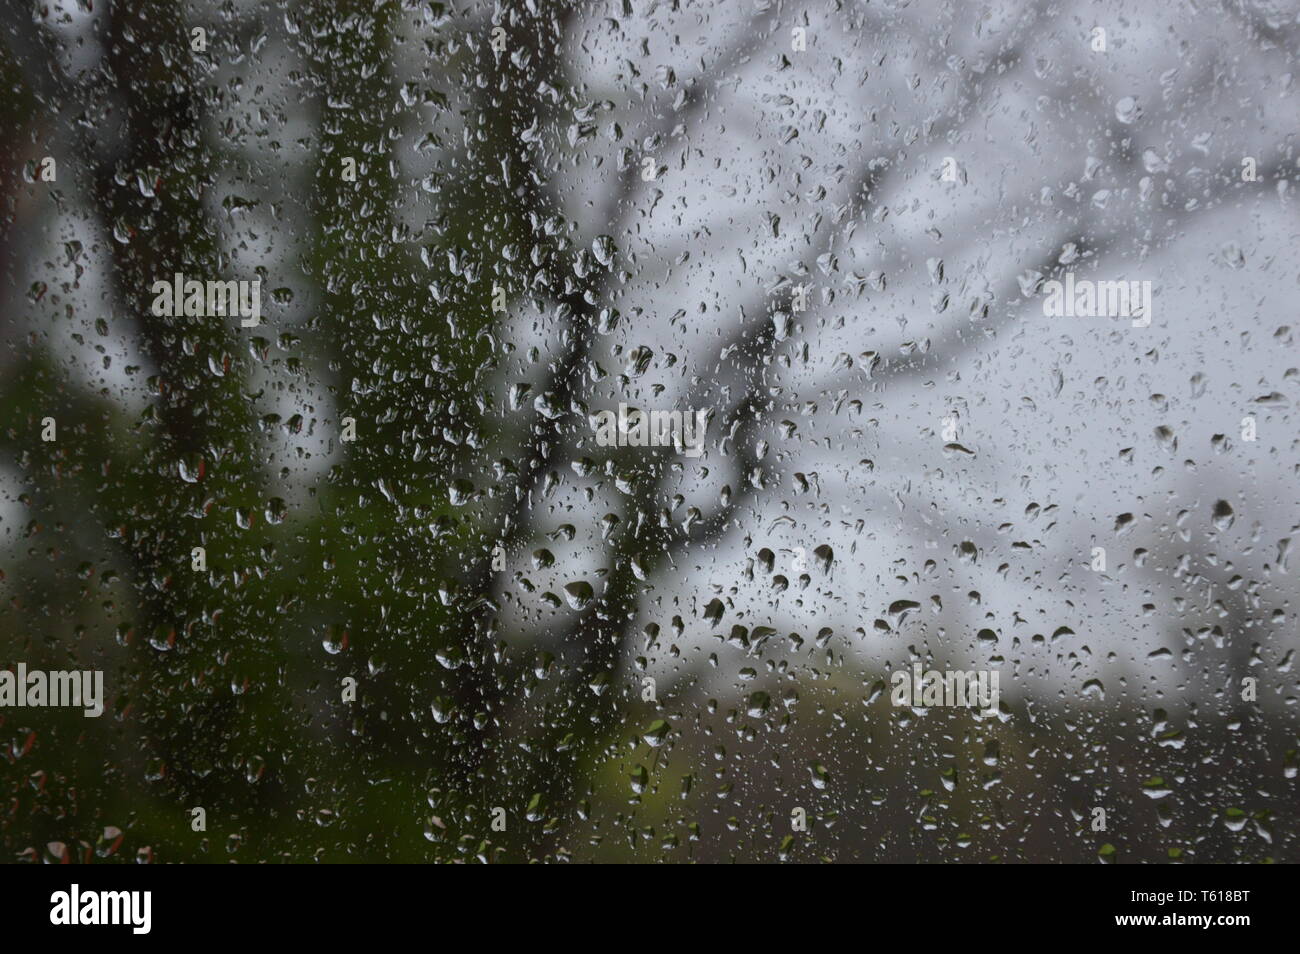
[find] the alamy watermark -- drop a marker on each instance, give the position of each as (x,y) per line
(633,428)
(195,299)
(37,688)
(75,907)
(1104,299)
(971,688)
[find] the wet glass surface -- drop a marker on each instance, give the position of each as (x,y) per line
(635,431)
